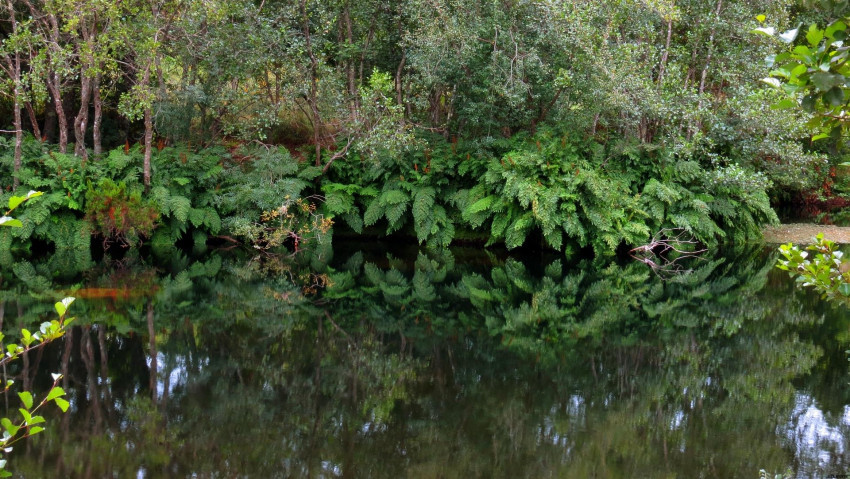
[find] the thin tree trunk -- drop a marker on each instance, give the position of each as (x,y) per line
(19,131)
(82,118)
(36,131)
(98,117)
(146,167)
(62,120)
(54,84)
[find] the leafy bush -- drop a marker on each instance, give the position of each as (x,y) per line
(825,271)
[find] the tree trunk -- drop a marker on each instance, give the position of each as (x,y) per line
(54,84)
(19,131)
(146,168)
(36,131)
(62,120)
(82,118)
(98,117)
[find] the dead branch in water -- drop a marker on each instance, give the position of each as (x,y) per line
(666,252)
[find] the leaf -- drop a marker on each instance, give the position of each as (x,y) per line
(761,18)
(423,211)
(54,393)
(814,35)
(835,96)
(26,398)
(783,104)
(15,201)
(808,103)
(35,430)
(9,427)
(62,306)
(825,81)
(63,404)
(9,221)
(180,207)
(844,288)
(373,213)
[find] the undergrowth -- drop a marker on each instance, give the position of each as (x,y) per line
(565,191)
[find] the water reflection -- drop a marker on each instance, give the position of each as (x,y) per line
(436,367)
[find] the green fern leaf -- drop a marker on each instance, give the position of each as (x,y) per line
(517,232)
(212,221)
(180,206)
(394,197)
(354,220)
(394,214)
(374,212)
(423,212)
(339,202)
(197,217)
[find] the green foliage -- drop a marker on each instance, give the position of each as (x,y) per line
(30,422)
(14,202)
(814,74)
(825,271)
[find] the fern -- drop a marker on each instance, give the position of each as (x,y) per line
(423,212)
(179,208)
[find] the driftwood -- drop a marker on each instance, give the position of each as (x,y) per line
(668,252)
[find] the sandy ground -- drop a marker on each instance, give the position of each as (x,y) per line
(804,233)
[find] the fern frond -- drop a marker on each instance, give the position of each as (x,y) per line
(180,206)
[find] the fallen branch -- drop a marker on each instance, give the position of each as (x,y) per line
(669,241)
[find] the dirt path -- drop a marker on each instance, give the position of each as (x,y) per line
(803,233)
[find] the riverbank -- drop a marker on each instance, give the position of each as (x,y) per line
(805,233)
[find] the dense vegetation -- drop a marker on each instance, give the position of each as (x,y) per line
(565,124)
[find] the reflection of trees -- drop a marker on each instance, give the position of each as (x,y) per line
(432,368)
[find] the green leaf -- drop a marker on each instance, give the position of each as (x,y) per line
(784,104)
(814,35)
(844,288)
(26,398)
(54,393)
(9,427)
(63,404)
(835,96)
(761,18)
(9,221)
(15,201)
(825,81)
(35,430)
(62,306)
(808,103)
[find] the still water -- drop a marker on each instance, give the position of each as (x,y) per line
(431,364)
